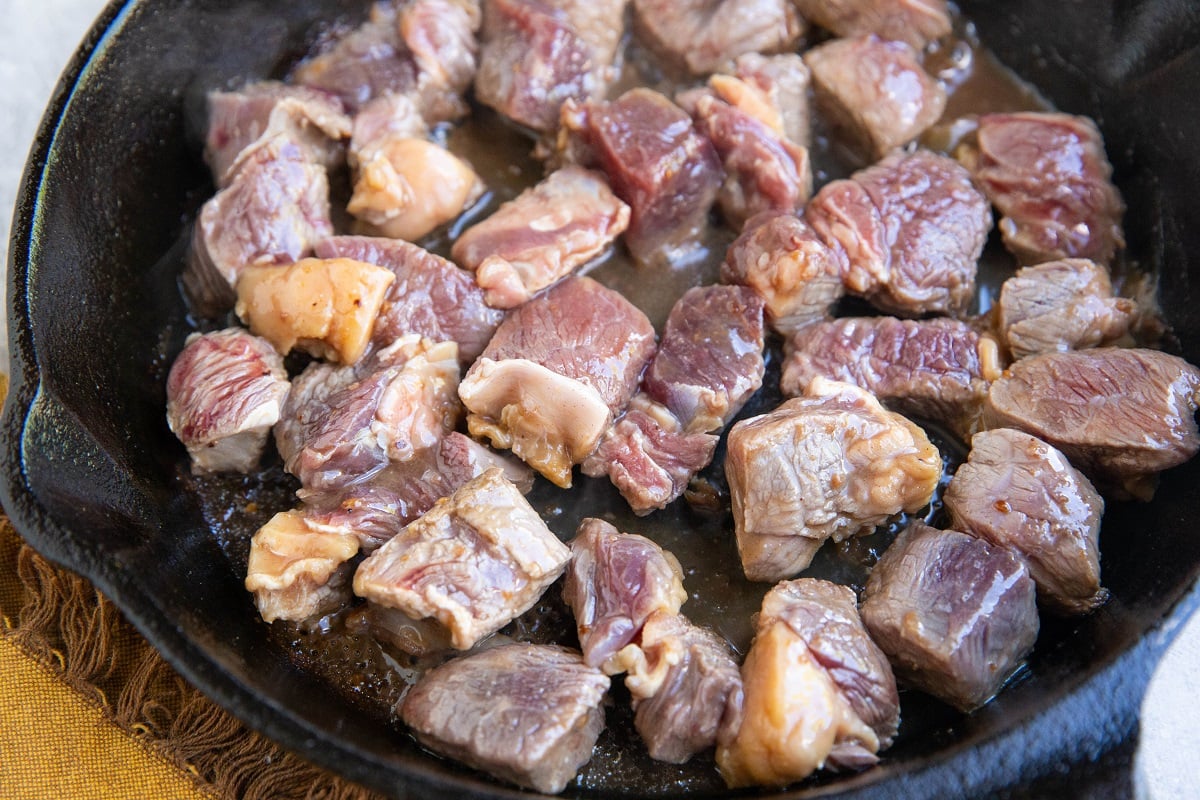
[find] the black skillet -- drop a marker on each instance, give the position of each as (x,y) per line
(93,477)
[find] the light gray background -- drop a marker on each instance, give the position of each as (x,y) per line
(38,36)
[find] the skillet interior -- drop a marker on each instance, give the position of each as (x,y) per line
(95,314)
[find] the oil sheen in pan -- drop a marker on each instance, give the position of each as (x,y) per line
(702,538)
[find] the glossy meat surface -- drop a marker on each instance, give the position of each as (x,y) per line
(916,22)
(529,714)
(955,615)
(707,35)
(295,572)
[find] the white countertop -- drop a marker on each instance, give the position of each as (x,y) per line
(36,41)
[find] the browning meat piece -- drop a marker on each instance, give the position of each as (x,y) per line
(797,274)
(955,615)
(710,359)
(781,83)
(295,572)
(1061,305)
(1018,492)
(326,307)
(707,35)
(826,616)
(274,209)
(430,296)
(913,227)
(425,49)
(1120,416)
(796,717)
(939,369)
(529,714)
(875,92)
(764,171)
(476,561)
(656,162)
(916,22)
(557,372)
(614,583)
(237,119)
(546,233)
(833,463)
(224,392)
(685,685)
(1048,176)
(648,455)
(405,186)
(341,425)
(539,53)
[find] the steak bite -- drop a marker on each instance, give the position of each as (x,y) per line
(557,372)
(917,22)
(875,92)
(425,49)
(1050,179)
(343,424)
(274,208)
(1018,492)
(528,714)
(797,715)
(830,464)
(685,685)
(296,573)
(780,257)
(614,583)
(474,562)
(955,615)
(430,296)
(773,89)
(913,227)
(655,161)
(545,234)
(1120,416)
(1061,305)
(937,369)
(224,392)
(707,35)
(405,186)
(326,307)
(258,111)
(539,53)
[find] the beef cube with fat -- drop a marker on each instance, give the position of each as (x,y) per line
(474,562)
(295,572)
(614,583)
(1050,180)
(425,49)
(685,686)
(225,391)
(706,36)
(430,296)
(274,209)
(1061,305)
(874,92)
(545,234)
(917,22)
(779,97)
(1016,491)
(798,276)
(913,227)
(1121,416)
(937,369)
(657,162)
(830,464)
(955,615)
(239,118)
(809,672)
(528,714)
(539,53)
(559,369)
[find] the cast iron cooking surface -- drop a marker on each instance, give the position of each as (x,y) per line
(95,314)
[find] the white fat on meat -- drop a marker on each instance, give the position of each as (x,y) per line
(296,572)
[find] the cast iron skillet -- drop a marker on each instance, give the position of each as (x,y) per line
(90,468)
